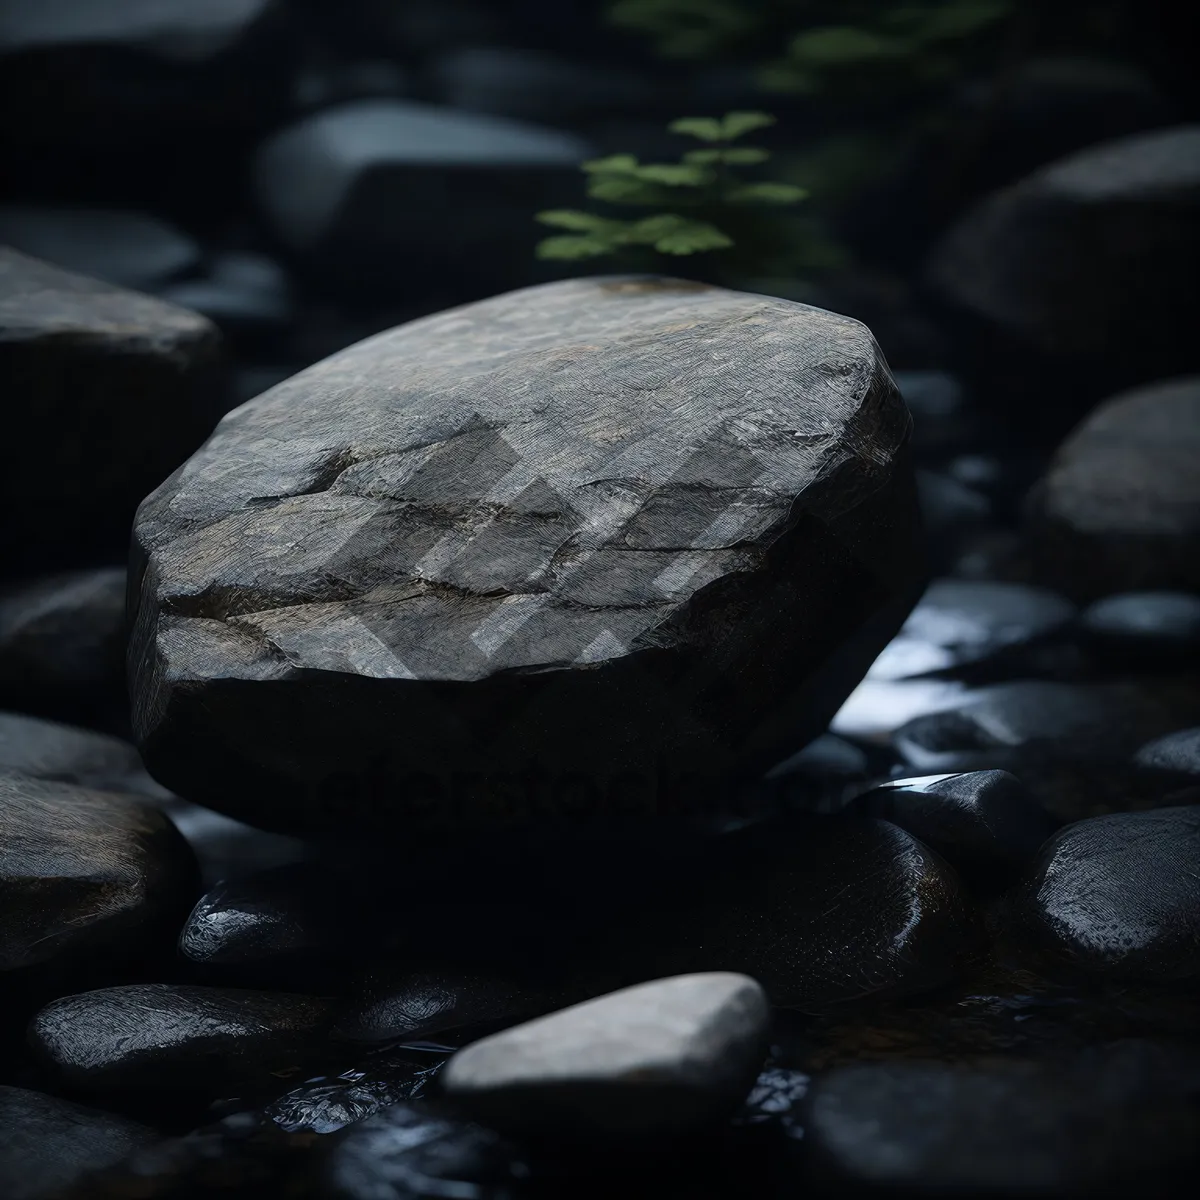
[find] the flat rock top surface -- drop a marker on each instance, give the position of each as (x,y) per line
(571,462)
(38,300)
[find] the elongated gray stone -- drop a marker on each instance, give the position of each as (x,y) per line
(586,549)
(666,1057)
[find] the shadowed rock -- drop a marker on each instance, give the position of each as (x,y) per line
(544,557)
(86,877)
(112,388)
(156,1036)
(1119,508)
(50,1144)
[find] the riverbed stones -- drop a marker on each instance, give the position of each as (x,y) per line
(86,877)
(1118,896)
(153,1036)
(587,549)
(664,1058)
(113,389)
(1119,508)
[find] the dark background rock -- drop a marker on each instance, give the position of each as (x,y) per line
(388,621)
(106,391)
(1119,507)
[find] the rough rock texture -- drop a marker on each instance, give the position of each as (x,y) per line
(585,549)
(667,1057)
(1119,508)
(49,1143)
(1118,896)
(62,645)
(1093,257)
(86,876)
(378,188)
(112,388)
(151,1036)
(1122,1116)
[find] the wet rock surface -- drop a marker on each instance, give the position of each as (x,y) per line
(1144,628)
(664,1058)
(114,387)
(87,878)
(537,577)
(50,1144)
(1117,896)
(177,1037)
(981,821)
(820,915)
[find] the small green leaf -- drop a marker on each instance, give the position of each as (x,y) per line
(617,164)
(707,129)
(842,46)
(736,124)
(744,156)
(765,193)
(582,222)
(617,189)
(674,174)
(574,246)
(698,237)
(703,157)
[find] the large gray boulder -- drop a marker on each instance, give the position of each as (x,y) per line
(598,547)
(106,391)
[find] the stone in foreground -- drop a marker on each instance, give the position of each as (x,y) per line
(664,1058)
(105,390)
(586,549)
(1118,896)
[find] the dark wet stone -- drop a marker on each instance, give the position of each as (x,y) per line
(1028,724)
(821,914)
(408,1150)
(1123,1114)
(978,629)
(951,513)
(981,821)
(273,692)
(666,1058)
(50,1144)
(147,1037)
(1088,262)
(1119,508)
(87,878)
(41,749)
(1173,760)
(876,708)
(942,420)
(62,645)
(128,249)
(327,186)
(1117,897)
(106,391)
(327,1104)
(1144,630)
(395,1004)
